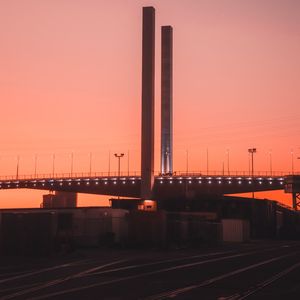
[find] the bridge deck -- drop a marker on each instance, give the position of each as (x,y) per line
(163,186)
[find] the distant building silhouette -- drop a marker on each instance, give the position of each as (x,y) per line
(60,200)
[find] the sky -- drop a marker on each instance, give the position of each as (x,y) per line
(70,82)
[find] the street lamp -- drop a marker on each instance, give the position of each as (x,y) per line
(119,156)
(18,164)
(270,157)
(109,163)
(187,161)
(207,161)
(252,151)
(53,164)
(35,165)
(227,153)
(72,163)
(128,163)
(292,159)
(91,157)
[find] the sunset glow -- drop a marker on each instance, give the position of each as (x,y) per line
(70,82)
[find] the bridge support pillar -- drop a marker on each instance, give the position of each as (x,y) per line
(292,185)
(148,62)
(296,201)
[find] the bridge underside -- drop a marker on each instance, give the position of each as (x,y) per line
(164,187)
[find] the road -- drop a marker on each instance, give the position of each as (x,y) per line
(258,270)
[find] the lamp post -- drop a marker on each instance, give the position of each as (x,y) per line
(251,152)
(72,162)
(270,159)
(35,165)
(249,164)
(53,164)
(227,154)
(109,163)
(187,161)
(91,157)
(128,163)
(119,156)
(207,161)
(18,163)
(292,160)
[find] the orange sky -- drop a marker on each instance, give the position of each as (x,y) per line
(70,81)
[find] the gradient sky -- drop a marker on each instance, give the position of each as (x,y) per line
(70,81)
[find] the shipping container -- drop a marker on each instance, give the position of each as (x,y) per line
(147,228)
(235,230)
(27,233)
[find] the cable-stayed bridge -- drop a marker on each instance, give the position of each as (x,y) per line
(130,186)
(147,185)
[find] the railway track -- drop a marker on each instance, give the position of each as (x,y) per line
(133,278)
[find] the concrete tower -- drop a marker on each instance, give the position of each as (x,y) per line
(148,56)
(166,100)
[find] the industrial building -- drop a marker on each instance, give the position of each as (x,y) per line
(227,219)
(45,231)
(59,200)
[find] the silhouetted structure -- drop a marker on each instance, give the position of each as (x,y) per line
(166,100)
(147,187)
(60,199)
(293,186)
(148,62)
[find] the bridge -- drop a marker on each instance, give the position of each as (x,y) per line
(147,185)
(180,185)
(164,186)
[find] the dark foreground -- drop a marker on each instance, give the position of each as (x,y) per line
(257,270)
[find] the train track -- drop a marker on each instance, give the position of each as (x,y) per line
(114,273)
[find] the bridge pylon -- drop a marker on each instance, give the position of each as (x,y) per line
(166,100)
(148,73)
(296,201)
(292,186)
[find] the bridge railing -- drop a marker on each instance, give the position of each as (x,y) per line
(234,173)
(69,175)
(137,174)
